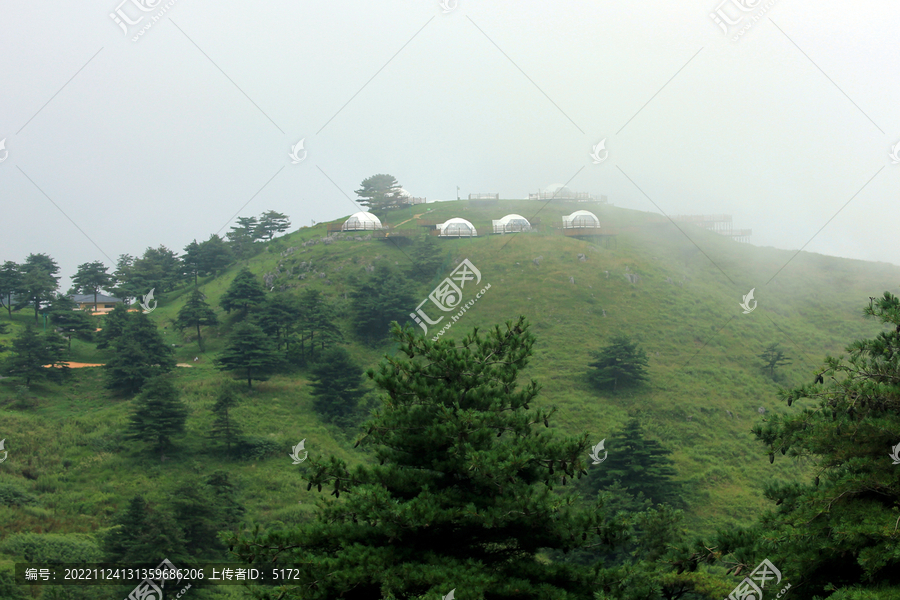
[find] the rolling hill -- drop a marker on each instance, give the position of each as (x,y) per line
(706,388)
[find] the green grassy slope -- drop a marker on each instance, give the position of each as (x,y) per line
(68,449)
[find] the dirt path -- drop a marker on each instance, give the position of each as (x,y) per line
(78,365)
(411,218)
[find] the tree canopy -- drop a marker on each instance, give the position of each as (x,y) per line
(385,295)
(250,353)
(336,382)
(462,497)
(639,464)
(244,292)
(621,363)
(772,358)
(38,282)
(90,278)
(379,192)
(140,354)
(837,532)
(196,313)
(272,223)
(159,414)
(10,283)
(32,350)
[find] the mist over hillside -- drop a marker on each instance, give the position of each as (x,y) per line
(678,292)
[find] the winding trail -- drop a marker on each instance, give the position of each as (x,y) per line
(411,218)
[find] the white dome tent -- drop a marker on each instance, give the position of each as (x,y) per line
(581,219)
(511,224)
(456,227)
(362,221)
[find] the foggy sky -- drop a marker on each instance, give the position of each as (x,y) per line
(116,145)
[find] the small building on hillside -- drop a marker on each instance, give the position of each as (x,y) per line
(105,304)
(581,219)
(456,227)
(362,221)
(511,224)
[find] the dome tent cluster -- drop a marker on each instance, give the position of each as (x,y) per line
(458,227)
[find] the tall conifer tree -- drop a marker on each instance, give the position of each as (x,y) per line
(621,363)
(462,497)
(336,383)
(224,427)
(196,313)
(243,293)
(250,353)
(159,414)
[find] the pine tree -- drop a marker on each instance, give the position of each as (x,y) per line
(124,285)
(90,278)
(428,259)
(249,350)
(198,513)
(640,465)
(772,358)
(158,269)
(463,495)
(385,296)
(214,255)
(243,293)
(128,369)
(63,315)
(159,414)
(226,497)
(140,353)
(271,223)
(379,192)
(39,281)
(114,323)
(224,427)
(10,283)
(144,534)
(192,260)
(336,381)
(31,351)
(194,313)
(619,364)
(279,317)
(242,236)
(836,532)
(316,324)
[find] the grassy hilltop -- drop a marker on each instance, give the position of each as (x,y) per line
(67,453)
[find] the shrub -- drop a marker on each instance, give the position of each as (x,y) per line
(257,448)
(13,495)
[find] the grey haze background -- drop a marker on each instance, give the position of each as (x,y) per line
(151,143)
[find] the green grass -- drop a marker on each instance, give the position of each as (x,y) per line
(70,453)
